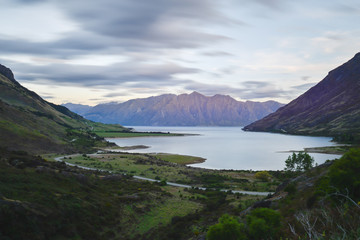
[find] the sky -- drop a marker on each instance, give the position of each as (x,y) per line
(92,52)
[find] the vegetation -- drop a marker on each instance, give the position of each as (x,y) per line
(179,159)
(129,134)
(323,203)
(299,162)
(227,228)
(44,199)
(261,223)
(263,176)
(344,174)
(153,166)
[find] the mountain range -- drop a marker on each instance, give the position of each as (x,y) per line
(29,123)
(331,108)
(192,109)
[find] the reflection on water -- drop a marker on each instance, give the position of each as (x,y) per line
(229,147)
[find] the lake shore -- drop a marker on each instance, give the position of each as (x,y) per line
(335,150)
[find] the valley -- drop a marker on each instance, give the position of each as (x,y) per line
(61,179)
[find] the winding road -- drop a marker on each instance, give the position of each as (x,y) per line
(60,159)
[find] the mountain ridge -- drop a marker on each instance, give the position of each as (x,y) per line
(330,108)
(29,123)
(192,109)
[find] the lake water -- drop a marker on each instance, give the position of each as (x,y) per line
(229,147)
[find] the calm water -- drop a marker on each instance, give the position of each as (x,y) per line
(229,147)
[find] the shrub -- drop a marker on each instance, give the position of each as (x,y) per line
(263,223)
(228,228)
(344,173)
(291,188)
(263,176)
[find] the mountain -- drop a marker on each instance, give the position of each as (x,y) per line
(331,108)
(77,108)
(29,123)
(192,109)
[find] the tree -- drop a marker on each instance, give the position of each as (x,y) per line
(344,173)
(299,162)
(228,228)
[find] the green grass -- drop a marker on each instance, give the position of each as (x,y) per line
(330,149)
(115,134)
(154,167)
(163,213)
(179,159)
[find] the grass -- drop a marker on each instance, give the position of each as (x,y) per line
(44,199)
(120,134)
(173,170)
(330,149)
(179,159)
(164,212)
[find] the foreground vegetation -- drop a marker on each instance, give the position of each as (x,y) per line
(43,199)
(322,203)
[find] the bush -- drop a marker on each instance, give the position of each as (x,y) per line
(291,188)
(228,228)
(263,223)
(299,162)
(263,176)
(344,173)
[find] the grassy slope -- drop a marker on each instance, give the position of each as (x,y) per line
(27,122)
(42,200)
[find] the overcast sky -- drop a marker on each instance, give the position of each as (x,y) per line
(90,52)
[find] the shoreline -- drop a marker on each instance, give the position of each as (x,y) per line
(334,150)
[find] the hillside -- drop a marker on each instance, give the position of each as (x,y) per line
(29,123)
(331,108)
(192,109)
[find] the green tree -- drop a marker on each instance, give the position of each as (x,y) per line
(299,162)
(263,223)
(344,174)
(228,228)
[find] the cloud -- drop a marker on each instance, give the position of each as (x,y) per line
(304,87)
(272,4)
(128,73)
(217,54)
(250,90)
(127,26)
(144,24)
(346,8)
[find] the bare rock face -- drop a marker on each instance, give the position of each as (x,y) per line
(7,73)
(192,109)
(331,108)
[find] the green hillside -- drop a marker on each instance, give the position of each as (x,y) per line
(29,123)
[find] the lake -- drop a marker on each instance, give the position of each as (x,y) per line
(228,147)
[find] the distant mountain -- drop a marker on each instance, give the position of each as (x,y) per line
(77,108)
(192,109)
(29,123)
(331,108)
